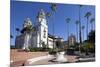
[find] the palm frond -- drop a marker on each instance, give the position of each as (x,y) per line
(48,14)
(92,20)
(53,7)
(77,22)
(88,14)
(67,20)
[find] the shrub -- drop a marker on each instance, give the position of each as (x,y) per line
(39,49)
(53,51)
(35,49)
(88,47)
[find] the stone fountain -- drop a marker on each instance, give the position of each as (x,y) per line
(60,57)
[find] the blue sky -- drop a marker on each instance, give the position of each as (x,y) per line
(21,10)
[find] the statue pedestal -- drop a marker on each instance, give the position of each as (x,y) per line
(60,57)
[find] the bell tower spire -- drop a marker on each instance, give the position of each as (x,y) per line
(42,28)
(41,16)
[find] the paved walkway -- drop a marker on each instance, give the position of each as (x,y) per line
(71,59)
(20,58)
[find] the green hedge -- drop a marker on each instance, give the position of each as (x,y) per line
(39,49)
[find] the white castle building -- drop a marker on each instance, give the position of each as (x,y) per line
(35,36)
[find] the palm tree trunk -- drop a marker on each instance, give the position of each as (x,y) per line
(76,33)
(53,31)
(87,28)
(80,32)
(94,26)
(68,34)
(83,34)
(91,26)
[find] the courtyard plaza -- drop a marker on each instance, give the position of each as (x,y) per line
(19,58)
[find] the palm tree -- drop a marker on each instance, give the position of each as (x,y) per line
(77,22)
(92,21)
(53,8)
(18,30)
(48,14)
(87,15)
(83,32)
(67,21)
(80,38)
